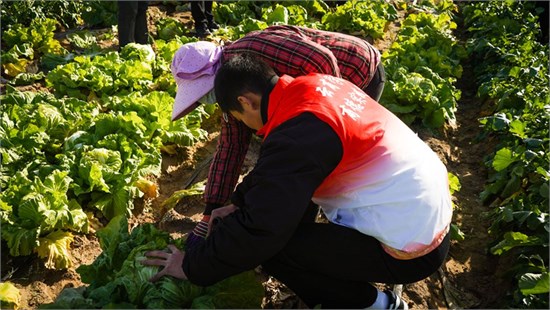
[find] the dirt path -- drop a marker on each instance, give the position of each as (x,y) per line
(470,270)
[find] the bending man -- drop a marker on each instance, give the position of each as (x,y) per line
(383,190)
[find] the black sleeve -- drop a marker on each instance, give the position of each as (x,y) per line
(295,158)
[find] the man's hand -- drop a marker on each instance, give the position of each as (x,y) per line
(172,263)
(219,213)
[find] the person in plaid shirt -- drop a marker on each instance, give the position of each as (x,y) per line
(290,50)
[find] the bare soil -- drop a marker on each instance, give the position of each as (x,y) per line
(469,278)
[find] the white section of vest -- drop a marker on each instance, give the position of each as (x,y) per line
(400,198)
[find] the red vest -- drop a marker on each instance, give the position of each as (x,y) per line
(353,115)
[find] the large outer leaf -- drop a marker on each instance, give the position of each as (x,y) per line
(111,258)
(515,239)
(503,158)
(55,247)
(534,283)
(9,295)
(21,241)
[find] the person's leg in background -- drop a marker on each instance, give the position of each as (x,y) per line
(141,33)
(544,16)
(127,11)
(209,16)
(199,17)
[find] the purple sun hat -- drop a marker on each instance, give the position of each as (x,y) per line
(194,68)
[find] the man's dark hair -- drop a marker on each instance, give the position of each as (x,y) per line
(241,74)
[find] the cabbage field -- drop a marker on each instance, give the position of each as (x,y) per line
(94,173)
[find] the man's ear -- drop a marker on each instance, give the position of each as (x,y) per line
(248,102)
(243,101)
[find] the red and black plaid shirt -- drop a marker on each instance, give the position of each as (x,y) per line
(294,51)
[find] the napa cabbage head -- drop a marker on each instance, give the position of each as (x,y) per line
(141,52)
(98,167)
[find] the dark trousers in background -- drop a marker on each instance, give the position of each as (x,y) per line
(132,22)
(201,11)
(333,266)
(544,16)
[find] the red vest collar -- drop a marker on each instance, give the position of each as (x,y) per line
(273,103)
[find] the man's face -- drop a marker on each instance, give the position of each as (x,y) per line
(251,115)
(250,118)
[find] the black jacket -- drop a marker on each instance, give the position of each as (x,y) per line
(294,160)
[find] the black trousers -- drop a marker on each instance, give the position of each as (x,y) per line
(201,11)
(544,16)
(132,22)
(376,85)
(333,266)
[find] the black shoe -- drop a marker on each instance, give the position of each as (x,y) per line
(202,33)
(395,301)
(213,26)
